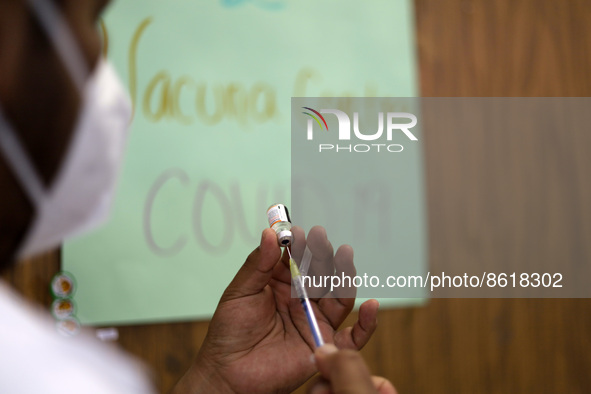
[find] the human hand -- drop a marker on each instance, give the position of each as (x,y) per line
(259,339)
(344,371)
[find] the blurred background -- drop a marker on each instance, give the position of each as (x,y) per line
(481,48)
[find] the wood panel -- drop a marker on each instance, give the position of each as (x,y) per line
(468,48)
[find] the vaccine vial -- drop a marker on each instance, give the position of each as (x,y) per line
(279,221)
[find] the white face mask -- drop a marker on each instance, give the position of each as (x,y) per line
(81,195)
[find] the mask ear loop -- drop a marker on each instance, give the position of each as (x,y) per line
(57,29)
(60,35)
(20,163)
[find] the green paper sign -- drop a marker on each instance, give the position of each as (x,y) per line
(209,148)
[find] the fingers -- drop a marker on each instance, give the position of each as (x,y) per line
(344,267)
(322,386)
(322,252)
(322,260)
(344,370)
(357,336)
(281,271)
(338,308)
(297,246)
(319,386)
(257,270)
(366,323)
(299,243)
(383,385)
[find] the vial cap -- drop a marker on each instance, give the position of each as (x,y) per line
(284,237)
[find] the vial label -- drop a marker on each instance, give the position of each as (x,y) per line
(277,213)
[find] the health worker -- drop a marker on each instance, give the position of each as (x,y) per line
(64,116)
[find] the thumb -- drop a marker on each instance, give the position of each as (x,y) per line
(257,270)
(345,370)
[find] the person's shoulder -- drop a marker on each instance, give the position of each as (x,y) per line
(35,357)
